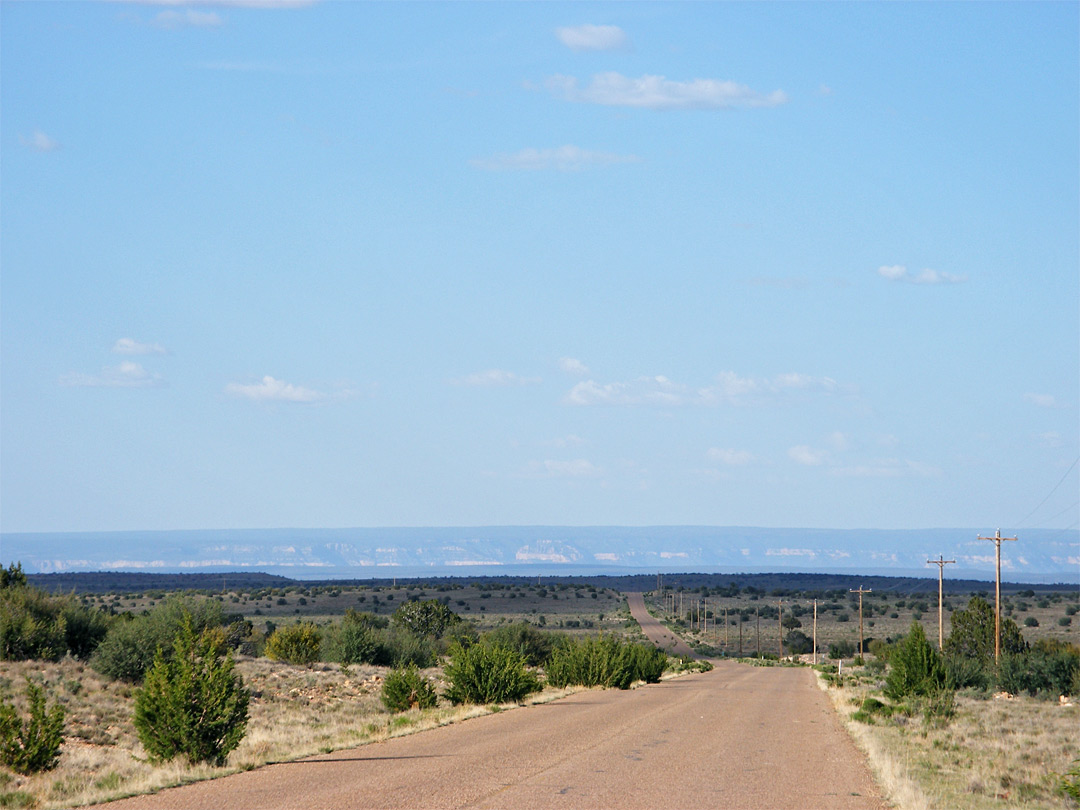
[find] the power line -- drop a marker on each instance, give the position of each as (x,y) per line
(1051,492)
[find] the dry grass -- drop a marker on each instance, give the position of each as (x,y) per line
(993,754)
(295,712)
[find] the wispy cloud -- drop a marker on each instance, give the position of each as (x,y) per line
(592,37)
(269,389)
(495,378)
(575,468)
(266,4)
(659,93)
(807,456)
(728,388)
(900,273)
(129,346)
(126,375)
(571,365)
(732,458)
(1042,400)
(187,18)
(563,158)
(39,142)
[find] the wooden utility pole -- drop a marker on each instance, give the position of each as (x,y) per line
(740,635)
(940,562)
(815,632)
(780,620)
(727,633)
(860,592)
(997,538)
(757,621)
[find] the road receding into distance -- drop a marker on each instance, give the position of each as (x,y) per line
(735,737)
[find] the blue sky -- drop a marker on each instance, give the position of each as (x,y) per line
(400,264)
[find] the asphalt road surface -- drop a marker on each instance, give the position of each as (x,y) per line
(654,631)
(736,737)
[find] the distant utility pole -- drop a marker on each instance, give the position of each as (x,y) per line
(727,634)
(815,632)
(757,621)
(781,626)
(740,635)
(997,538)
(940,562)
(705,616)
(860,592)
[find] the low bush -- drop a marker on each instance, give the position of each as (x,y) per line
(192,704)
(915,668)
(34,745)
(405,688)
(129,647)
(484,673)
(841,649)
(606,661)
(534,644)
(295,644)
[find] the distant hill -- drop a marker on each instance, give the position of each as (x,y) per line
(779,584)
(1041,555)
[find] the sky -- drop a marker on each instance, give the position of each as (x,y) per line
(331,264)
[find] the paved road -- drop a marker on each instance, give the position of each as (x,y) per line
(654,630)
(736,737)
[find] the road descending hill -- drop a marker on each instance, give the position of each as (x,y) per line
(736,737)
(653,629)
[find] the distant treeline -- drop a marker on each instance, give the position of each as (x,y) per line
(779,584)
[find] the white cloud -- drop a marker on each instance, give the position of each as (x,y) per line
(495,377)
(824,90)
(567,158)
(1042,400)
(838,441)
(187,18)
(898,272)
(269,4)
(566,441)
(729,388)
(39,142)
(572,365)
(578,468)
(269,389)
(606,557)
(659,93)
(790,552)
(592,37)
(733,458)
(807,456)
(129,346)
(1050,438)
(126,375)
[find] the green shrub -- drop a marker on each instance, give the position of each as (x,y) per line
(405,688)
(192,704)
(129,647)
(34,745)
(915,668)
(841,649)
(534,644)
(31,626)
(295,644)
(606,661)
(1070,781)
(972,634)
(484,673)
(966,673)
(428,618)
